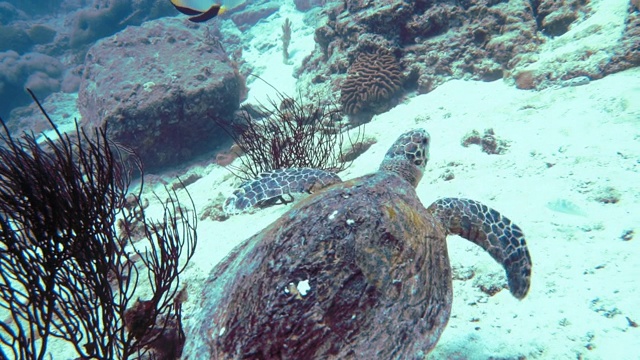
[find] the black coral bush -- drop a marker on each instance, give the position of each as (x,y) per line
(289,133)
(66,272)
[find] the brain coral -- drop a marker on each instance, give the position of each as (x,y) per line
(371,82)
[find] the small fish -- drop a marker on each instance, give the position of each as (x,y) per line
(199,10)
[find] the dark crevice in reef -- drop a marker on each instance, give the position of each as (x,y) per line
(536,15)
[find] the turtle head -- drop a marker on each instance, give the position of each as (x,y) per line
(408,156)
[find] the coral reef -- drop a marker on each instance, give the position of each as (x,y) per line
(627,54)
(440,40)
(435,40)
(372,80)
(554,17)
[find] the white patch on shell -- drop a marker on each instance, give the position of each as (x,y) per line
(333,215)
(299,290)
(303,287)
(416,280)
(350,222)
(222,331)
(148,86)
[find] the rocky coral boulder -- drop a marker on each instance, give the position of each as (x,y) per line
(159,87)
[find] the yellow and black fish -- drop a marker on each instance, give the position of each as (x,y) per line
(199,10)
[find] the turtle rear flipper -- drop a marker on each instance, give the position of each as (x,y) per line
(495,233)
(274,185)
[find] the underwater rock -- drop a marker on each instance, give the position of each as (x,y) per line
(554,17)
(13,37)
(249,16)
(37,71)
(591,51)
(59,106)
(304,5)
(97,22)
(160,106)
(41,34)
(106,17)
(627,52)
(8,13)
(489,142)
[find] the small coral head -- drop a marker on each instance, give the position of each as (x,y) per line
(408,155)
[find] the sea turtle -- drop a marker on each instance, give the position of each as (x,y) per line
(357,270)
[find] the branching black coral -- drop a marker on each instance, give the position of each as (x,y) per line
(289,133)
(65,271)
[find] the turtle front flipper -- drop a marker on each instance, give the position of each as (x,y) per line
(495,233)
(273,185)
